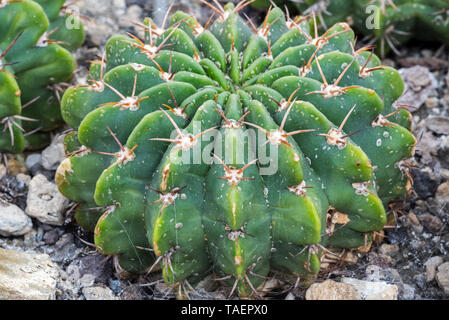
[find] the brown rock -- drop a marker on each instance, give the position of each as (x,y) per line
(443,277)
(331,290)
(431,222)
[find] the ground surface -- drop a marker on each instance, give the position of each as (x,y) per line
(408,256)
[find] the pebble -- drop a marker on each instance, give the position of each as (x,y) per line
(442,194)
(2,170)
(98,293)
(87,280)
(431,222)
(368,290)
(33,160)
(51,237)
(25,276)
(54,154)
(388,249)
(375,273)
(331,290)
(443,277)
(13,221)
(45,202)
(26,179)
(408,292)
(419,84)
(431,267)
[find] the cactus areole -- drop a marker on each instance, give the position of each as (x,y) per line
(234,149)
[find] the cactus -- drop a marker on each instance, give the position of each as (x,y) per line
(35,63)
(234,149)
(387,23)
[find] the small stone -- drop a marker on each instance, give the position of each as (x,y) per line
(2,170)
(45,202)
(65,249)
(432,102)
(16,165)
(25,276)
(26,179)
(408,292)
(431,222)
(290,296)
(431,267)
(443,277)
(375,273)
(367,290)
(420,280)
(415,224)
(98,293)
(33,160)
(331,290)
(437,124)
(419,84)
(442,193)
(51,237)
(53,155)
(13,221)
(87,280)
(388,249)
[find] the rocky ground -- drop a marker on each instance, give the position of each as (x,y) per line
(44,255)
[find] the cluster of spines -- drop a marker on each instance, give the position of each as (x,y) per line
(223,215)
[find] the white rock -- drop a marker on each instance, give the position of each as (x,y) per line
(443,277)
(53,155)
(87,280)
(431,267)
(367,290)
(331,290)
(45,202)
(2,170)
(13,221)
(26,276)
(32,160)
(98,293)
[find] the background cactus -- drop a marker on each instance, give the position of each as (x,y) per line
(35,63)
(279,93)
(386,23)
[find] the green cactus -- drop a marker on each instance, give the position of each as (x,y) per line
(234,149)
(386,23)
(35,63)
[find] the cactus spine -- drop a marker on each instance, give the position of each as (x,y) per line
(234,149)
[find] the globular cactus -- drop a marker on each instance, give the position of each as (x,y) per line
(35,39)
(387,23)
(234,149)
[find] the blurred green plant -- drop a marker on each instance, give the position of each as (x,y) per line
(35,62)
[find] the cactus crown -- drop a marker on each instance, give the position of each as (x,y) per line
(234,148)
(34,65)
